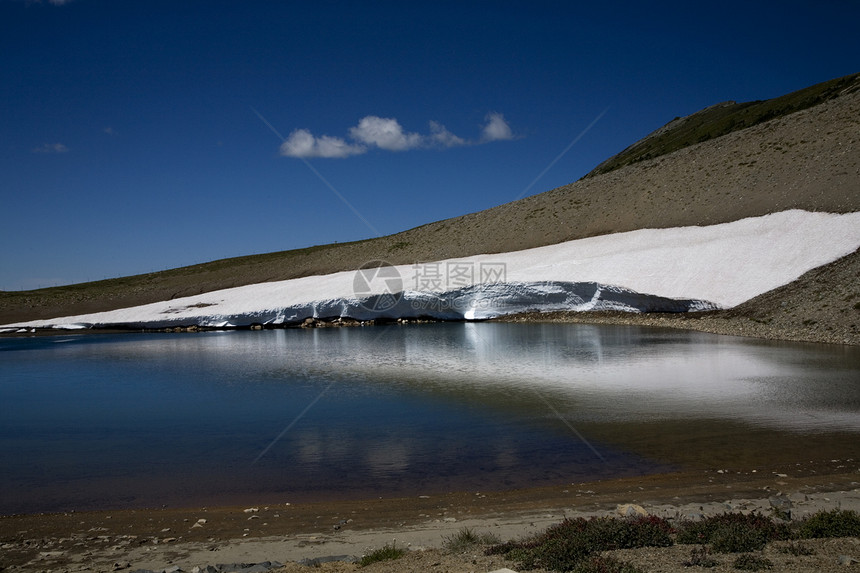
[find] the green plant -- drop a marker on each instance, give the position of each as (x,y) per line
(385,553)
(733,532)
(750,562)
(836,523)
(569,543)
(738,538)
(466,539)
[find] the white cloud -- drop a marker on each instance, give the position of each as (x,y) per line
(302,143)
(440,135)
(385,133)
(51,148)
(109,131)
(496,128)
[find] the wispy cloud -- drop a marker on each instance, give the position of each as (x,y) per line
(440,135)
(386,133)
(109,130)
(51,148)
(496,128)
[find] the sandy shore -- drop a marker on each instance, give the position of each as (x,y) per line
(289,533)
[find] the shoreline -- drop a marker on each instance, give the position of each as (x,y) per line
(159,538)
(729,322)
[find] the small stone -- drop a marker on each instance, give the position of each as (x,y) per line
(631,510)
(847,560)
(780,502)
(251,510)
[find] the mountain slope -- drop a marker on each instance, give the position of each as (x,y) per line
(808,160)
(724,118)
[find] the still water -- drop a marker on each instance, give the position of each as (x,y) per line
(142,420)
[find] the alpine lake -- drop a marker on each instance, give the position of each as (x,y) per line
(104,421)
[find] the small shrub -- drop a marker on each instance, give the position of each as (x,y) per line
(750,562)
(836,523)
(466,539)
(604,565)
(738,538)
(733,532)
(386,553)
(701,557)
(571,542)
(797,549)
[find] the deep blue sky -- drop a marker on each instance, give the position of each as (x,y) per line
(139,136)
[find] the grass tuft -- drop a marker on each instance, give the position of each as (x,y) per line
(466,539)
(385,553)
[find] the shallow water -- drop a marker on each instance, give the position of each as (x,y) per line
(133,420)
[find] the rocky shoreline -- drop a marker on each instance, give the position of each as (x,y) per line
(331,536)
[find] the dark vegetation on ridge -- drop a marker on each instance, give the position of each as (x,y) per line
(805,156)
(724,118)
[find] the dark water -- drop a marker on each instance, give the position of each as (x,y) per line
(142,420)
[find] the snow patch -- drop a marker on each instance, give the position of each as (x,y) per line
(668,270)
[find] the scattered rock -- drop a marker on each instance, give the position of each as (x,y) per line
(631,510)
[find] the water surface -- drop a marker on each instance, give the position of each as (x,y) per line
(104,421)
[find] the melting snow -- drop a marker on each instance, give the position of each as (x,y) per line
(678,269)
